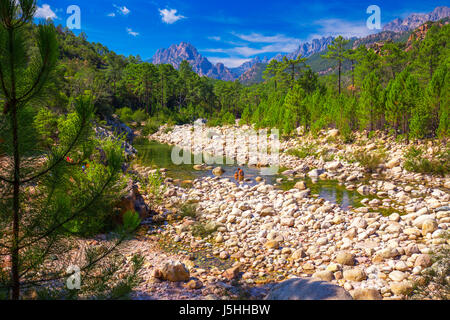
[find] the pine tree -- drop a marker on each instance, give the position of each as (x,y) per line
(394,104)
(393,59)
(296,113)
(337,52)
(437,100)
(45,199)
(370,101)
(416,110)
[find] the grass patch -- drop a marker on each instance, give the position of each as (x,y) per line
(369,160)
(327,155)
(187,210)
(203,230)
(151,127)
(438,164)
(168,130)
(434,282)
(303,152)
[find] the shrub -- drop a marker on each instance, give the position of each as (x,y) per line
(125,114)
(151,127)
(370,160)
(140,116)
(214,122)
(435,280)
(168,130)
(203,230)
(228,118)
(153,186)
(304,151)
(188,210)
(417,162)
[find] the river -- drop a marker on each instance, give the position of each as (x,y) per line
(152,153)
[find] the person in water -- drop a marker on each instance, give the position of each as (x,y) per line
(239,175)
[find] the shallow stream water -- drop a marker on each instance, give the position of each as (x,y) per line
(152,153)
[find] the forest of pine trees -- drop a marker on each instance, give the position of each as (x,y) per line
(403,91)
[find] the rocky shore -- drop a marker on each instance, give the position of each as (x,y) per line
(376,251)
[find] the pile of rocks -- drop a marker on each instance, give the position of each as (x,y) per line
(278,235)
(271,231)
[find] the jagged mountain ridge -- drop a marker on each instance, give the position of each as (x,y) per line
(307,49)
(239,71)
(251,71)
(177,53)
(415,20)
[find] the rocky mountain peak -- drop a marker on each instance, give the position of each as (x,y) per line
(177,53)
(416,19)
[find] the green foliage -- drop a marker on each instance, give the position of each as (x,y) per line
(415,161)
(131,221)
(139,116)
(303,152)
(370,160)
(151,127)
(48,199)
(203,230)
(125,114)
(188,210)
(46,124)
(434,281)
(370,104)
(153,185)
(337,52)
(228,118)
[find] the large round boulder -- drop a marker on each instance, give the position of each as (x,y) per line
(173,271)
(307,289)
(218,171)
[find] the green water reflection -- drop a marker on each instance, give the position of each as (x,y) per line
(151,153)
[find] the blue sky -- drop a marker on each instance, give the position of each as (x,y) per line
(232,31)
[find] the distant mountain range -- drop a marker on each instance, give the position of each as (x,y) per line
(415,20)
(177,53)
(307,49)
(251,71)
(237,72)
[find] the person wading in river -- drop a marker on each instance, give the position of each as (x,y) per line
(239,175)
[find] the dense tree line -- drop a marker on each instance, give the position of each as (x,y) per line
(390,87)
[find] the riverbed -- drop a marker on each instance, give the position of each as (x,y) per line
(158,155)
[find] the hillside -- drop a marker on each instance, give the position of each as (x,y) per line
(253,75)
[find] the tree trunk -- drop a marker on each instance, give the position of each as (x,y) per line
(339,78)
(16,209)
(353,78)
(16,185)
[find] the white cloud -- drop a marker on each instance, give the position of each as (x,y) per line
(170,16)
(112,14)
(260,44)
(45,12)
(123,10)
(131,32)
(215,38)
(228,62)
(338,27)
(259,38)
